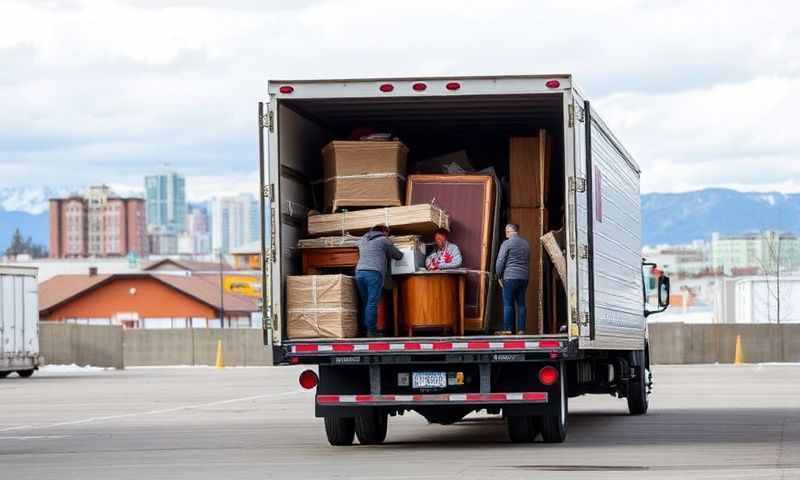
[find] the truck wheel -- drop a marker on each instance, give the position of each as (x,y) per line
(554,427)
(522,428)
(4,374)
(339,430)
(637,388)
(25,373)
(371,429)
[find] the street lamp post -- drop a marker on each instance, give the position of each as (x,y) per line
(221,293)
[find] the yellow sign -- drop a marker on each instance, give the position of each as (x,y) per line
(247,285)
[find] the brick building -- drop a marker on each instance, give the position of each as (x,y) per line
(97,224)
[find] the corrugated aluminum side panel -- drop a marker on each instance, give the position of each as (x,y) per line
(618,311)
(19,314)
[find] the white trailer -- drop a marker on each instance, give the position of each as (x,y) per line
(19,321)
(599,344)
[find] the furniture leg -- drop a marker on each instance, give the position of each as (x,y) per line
(462,281)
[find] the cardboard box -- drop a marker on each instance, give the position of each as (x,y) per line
(413,257)
(321,306)
(364,174)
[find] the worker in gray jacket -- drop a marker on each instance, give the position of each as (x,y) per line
(374,251)
(512,268)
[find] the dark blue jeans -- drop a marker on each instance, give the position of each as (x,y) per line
(514,293)
(370,285)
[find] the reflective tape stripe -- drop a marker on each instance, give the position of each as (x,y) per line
(525,397)
(480,345)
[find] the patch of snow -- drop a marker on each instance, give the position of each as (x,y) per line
(71,369)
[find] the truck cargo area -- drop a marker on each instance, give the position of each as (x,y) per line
(478,128)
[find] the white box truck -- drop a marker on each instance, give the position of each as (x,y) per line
(19,321)
(597,343)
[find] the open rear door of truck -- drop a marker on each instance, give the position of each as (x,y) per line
(609,237)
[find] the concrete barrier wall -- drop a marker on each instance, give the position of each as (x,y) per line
(680,343)
(99,346)
(113,346)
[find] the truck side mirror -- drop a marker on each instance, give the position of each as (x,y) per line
(663,291)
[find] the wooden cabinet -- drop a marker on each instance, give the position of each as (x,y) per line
(430,301)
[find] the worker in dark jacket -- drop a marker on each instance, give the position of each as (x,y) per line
(512,268)
(374,251)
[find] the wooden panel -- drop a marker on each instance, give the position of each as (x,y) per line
(468,201)
(315,259)
(530,221)
(528,160)
(429,302)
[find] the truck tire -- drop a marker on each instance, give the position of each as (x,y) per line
(4,374)
(25,373)
(340,431)
(638,402)
(371,429)
(522,428)
(554,427)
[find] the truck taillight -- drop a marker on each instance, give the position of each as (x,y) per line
(287,89)
(309,379)
(548,375)
(419,87)
(386,87)
(552,84)
(452,86)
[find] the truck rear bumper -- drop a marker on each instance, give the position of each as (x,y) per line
(433,399)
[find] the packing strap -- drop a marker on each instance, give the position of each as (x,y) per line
(361,175)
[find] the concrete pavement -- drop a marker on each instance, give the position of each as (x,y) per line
(707,421)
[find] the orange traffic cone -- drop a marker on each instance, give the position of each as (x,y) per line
(220,360)
(739,357)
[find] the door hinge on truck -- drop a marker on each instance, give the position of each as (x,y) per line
(577,184)
(267,121)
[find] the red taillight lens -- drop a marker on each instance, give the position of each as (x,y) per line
(419,87)
(548,375)
(386,87)
(453,86)
(309,379)
(552,84)
(286,89)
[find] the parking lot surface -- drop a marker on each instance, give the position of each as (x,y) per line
(709,421)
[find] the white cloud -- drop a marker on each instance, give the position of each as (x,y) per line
(106,91)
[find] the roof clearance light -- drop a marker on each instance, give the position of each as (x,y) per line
(308,379)
(552,84)
(287,89)
(547,375)
(452,86)
(419,87)
(386,87)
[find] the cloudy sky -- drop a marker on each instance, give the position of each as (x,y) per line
(702,93)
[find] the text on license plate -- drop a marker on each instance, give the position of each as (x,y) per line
(429,380)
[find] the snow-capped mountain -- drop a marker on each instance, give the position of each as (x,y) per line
(32,200)
(675,218)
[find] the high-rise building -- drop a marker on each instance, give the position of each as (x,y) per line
(97,224)
(196,240)
(234,221)
(165,194)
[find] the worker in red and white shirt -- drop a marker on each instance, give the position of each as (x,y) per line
(445,254)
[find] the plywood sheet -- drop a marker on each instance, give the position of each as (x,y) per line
(528,161)
(409,220)
(530,221)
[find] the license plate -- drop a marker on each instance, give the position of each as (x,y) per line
(429,380)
